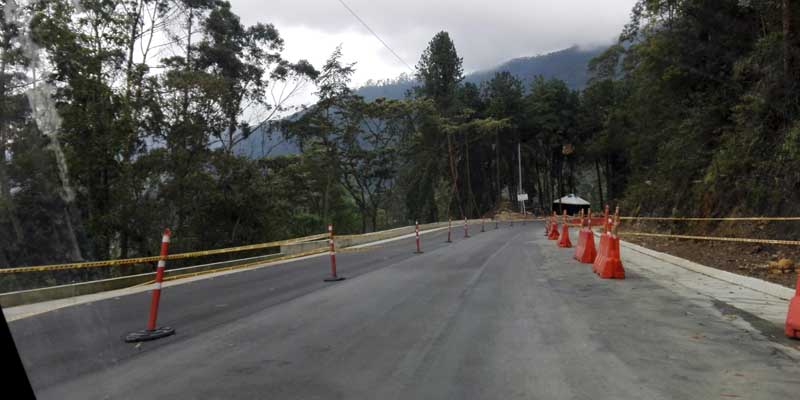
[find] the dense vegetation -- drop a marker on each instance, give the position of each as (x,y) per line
(693,112)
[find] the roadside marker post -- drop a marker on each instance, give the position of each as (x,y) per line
(449,229)
(416,230)
(483,222)
(466,228)
(152,332)
(334,277)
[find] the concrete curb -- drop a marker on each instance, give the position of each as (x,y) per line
(756,284)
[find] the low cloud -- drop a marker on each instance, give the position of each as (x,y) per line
(485,32)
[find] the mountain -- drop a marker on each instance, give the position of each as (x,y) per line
(568,65)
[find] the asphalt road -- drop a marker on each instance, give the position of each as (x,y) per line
(503,314)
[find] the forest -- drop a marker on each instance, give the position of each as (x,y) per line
(692,112)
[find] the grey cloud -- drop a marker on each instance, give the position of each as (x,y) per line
(485,32)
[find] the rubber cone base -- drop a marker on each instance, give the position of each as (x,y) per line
(147,335)
(334,279)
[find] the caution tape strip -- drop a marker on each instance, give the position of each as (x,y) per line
(711,218)
(714,238)
(141,260)
(240,266)
(246,265)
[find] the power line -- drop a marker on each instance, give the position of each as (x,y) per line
(375,34)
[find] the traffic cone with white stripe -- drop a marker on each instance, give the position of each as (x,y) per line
(153,332)
(611,266)
(416,230)
(564,242)
(587,252)
(553,228)
(581,237)
(333,277)
(602,246)
(449,229)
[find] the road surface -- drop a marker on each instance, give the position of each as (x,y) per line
(503,314)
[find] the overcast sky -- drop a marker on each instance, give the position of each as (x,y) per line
(485,33)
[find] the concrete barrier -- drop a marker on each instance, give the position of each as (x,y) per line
(295,248)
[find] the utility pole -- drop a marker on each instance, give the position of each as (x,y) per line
(519,191)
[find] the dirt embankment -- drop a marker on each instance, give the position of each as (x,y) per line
(774,263)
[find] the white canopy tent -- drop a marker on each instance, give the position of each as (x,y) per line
(571,203)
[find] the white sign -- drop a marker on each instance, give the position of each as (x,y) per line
(522,197)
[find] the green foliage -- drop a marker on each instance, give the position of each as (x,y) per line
(701,113)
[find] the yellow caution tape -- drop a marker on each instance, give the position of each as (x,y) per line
(141,260)
(716,238)
(246,265)
(712,219)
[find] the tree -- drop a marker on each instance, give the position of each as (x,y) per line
(369,151)
(439,71)
(319,130)
(504,98)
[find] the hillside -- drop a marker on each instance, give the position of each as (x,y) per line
(568,65)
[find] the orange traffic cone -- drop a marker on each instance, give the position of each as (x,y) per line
(793,316)
(547,225)
(564,242)
(587,252)
(611,265)
(601,253)
(581,237)
(553,228)
(603,245)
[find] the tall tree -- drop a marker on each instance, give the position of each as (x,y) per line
(440,72)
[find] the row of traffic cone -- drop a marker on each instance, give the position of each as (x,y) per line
(606,262)
(608,265)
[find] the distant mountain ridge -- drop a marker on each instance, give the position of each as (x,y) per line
(569,65)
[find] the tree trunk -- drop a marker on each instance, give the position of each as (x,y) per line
(497,165)
(188,60)
(541,186)
(468,179)
(599,181)
(788,42)
(609,182)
